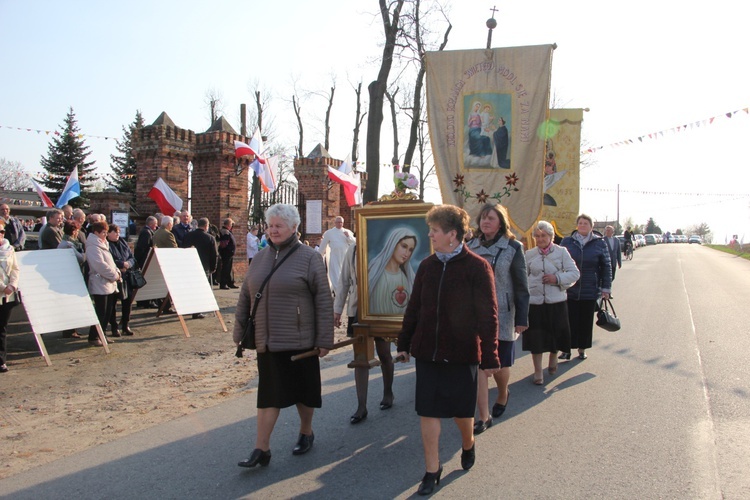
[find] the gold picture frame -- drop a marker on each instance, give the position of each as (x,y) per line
(392,239)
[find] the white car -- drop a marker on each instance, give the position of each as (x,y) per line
(695,239)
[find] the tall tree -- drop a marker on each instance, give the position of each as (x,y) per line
(66,152)
(651,227)
(358,117)
(376,90)
(123,165)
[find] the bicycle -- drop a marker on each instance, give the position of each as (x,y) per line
(628,251)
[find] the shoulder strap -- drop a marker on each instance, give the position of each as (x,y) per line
(259,294)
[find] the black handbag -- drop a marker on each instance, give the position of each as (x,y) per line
(248,336)
(606,319)
(135,278)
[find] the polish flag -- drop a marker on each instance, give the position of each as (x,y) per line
(46,202)
(241,149)
(166,199)
(269,172)
(351,183)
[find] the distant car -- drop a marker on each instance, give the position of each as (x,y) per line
(640,239)
(695,239)
(650,239)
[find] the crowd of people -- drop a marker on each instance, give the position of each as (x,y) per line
(106,260)
(467,305)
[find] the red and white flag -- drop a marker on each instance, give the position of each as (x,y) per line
(46,202)
(352,185)
(255,148)
(268,173)
(241,149)
(166,199)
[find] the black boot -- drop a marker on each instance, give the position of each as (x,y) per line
(429,481)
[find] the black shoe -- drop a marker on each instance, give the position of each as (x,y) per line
(582,356)
(304,443)
(3,368)
(429,481)
(481,426)
(258,456)
(565,355)
(233,286)
(170,311)
(223,288)
(115,331)
(386,406)
(125,329)
(498,409)
(199,316)
(468,457)
(355,419)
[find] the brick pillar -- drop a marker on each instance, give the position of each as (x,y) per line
(162,151)
(218,192)
(313,184)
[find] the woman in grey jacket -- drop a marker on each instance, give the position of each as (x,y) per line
(497,244)
(294,315)
(551,271)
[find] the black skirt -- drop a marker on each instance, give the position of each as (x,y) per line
(549,329)
(283,382)
(446,390)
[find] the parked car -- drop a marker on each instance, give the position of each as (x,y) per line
(695,239)
(650,239)
(639,240)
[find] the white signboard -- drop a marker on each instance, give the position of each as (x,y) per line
(54,294)
(314,217)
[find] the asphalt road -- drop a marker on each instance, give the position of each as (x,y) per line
(660,409)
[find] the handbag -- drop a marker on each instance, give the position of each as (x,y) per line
(248,336)
(606,319)
(135,278)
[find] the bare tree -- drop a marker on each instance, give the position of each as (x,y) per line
(215,103)
(376,90)
(13,177)
(416,109)
(358,117)
(297,112)
(394,120)
(328,117)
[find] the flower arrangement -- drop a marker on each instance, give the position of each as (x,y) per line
(404,181)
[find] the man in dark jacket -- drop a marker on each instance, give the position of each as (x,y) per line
(14,232)
(142,248)
(227,247)
(205,244)
(183,228)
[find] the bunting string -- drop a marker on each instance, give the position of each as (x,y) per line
(673,130)
(55,132)
(666,193)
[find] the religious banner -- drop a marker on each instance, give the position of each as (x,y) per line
(486,114)
(561,170)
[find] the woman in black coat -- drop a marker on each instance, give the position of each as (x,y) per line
(125,261)
(591,255)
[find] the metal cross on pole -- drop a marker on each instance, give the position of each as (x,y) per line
(491,24)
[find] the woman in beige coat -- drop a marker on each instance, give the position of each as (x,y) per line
(103,277)
(8,289)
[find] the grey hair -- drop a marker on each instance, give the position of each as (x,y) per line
(151,219)
(166,221)
(287,213)
(545,226)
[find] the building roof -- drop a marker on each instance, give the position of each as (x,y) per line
(319,152)
(164,119)
(221,125)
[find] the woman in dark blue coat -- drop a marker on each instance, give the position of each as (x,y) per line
(125,261)
(591,255)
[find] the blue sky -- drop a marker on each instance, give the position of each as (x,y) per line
(639,67)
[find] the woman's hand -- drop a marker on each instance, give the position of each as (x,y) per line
(490,371)
(402,356)
(337,319)
(549,279)
(126,265)
(521,329)
(9,290)
(322,352)
(605,295)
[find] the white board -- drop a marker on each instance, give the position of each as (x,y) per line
(54,294)
(179,272)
